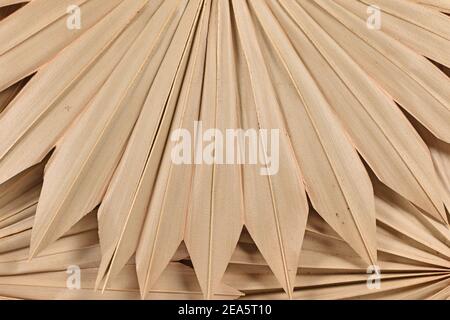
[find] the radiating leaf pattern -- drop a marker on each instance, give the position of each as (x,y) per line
(87,176)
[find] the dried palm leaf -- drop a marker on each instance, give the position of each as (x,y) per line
(4,3)
(87,175)
(16,63)
(213,227)
(441,5)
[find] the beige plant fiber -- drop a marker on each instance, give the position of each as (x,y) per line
(358,90)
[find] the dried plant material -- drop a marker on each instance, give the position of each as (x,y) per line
(68,96)
(7,95)
(209,149)
(440,5)
(17,63)
(140,162)
(4,3)
(109,119)
(214,226)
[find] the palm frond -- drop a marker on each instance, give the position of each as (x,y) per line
(89,119)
